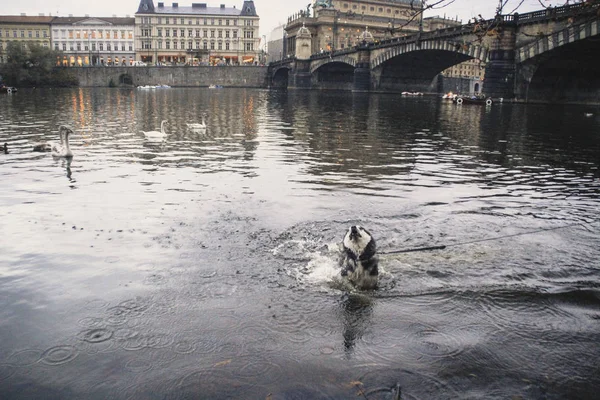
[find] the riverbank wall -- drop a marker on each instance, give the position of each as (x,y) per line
(180,76)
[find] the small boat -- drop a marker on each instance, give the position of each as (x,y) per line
(449,96)
(473,100)
(8,89)
(215,87)
(412,94)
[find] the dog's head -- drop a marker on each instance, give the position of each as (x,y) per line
(359,242)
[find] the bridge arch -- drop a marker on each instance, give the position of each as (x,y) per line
(559,39)
(280,77)
(315,65)
(472,51)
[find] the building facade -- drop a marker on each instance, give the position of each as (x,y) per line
(197,34)
(25,30)
(89,41)
(339,24)
(275,44)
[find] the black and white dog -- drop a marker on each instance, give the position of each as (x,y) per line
(359,259)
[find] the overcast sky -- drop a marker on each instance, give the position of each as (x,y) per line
(272,12)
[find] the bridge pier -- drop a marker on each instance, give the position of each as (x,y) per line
(362,71)
(500,71)
(300,77)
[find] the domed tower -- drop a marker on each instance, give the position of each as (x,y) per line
(303,43)
(366,37)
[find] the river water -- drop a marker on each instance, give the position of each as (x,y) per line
(204,266)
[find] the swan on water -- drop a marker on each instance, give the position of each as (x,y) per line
(63,149)
(157,134)
(50,146)
(197,125)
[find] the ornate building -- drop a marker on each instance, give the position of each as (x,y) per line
(23,29)
(87,41)
(338,24)
(197,35)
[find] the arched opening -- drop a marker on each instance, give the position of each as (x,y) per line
(415,71)
(476,88)
(567,74)
(125,79)
(280,79)
(335,75)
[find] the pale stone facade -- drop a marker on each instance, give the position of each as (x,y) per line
(197,35)
(25,30)
(89,41)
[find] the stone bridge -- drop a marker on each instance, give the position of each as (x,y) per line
(549,55)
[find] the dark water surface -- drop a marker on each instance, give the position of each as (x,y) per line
(203,266)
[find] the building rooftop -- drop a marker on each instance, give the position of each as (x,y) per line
(24,19)
(78,20)
(199,9)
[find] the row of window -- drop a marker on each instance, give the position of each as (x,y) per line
(93,46)
(168,45)
(379,9)
(94,34)
(197,21)
(23,44)
(198,33)
(21,33)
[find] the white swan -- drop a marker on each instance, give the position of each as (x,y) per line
(63,150)
(197,125)
(50,146)
(157,134)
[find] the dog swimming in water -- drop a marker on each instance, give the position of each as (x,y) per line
(359,260)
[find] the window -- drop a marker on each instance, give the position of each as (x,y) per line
(22,34)
(220,45)
(159,32)
(227,22)
(220,33)
(197,33)
(168,45)
(190,34)
(226,45)
(108,48)
(174,32)
(122,47)
(212,21)
(249,46)
(205,34)
(190,43)
(101,46)
(182,21)
(130,47)
(175,45)
(226,34)
(37,34)
(64,47)
(78,46)
(212,45)
(182,32)
(212,33)
(56,46)
(116,35)
(167,21)
(93,46)
(235,34)
(205,46)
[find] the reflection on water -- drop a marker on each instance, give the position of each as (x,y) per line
(200,266)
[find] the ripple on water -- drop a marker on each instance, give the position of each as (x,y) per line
(6,371)
(24,358)
(97,335)
(59,355)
